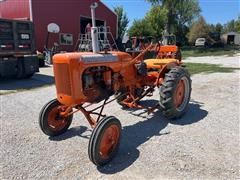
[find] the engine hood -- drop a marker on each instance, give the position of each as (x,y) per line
(91,58)
(99,58)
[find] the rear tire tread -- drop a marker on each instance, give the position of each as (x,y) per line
(167,90)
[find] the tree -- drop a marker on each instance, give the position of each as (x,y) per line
(156,2)
(157,19)
(141,28)
(122,21)
(233,25)
(229,26)
(180,12)
(237,24)
(218,28)
(151,25)
(211,28)
(169,5)
(199,29)
(186,11)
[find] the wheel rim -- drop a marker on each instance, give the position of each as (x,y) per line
(181,94)
(55,121)
(109,141)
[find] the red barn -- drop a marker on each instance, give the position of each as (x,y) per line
(71,15)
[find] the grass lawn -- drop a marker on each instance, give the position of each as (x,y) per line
(197,52)
(196,68)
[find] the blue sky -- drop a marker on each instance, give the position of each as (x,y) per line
(214,11)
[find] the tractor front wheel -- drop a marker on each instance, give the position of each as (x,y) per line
(175,93)
(50,120)
(104,141)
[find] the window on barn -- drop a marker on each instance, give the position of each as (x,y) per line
(66,39)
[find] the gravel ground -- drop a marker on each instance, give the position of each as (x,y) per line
(202,144)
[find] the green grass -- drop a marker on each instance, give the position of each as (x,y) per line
(198,52)
(196,68)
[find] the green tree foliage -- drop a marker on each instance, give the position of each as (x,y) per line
(233,25)
(186,11)
(199,29)
(218,28)
(230,25)
(122,21)
(180,13)
(184,14)
(211,27)
(157,19)
(156,2)
(151,25)
(237,24)
(141,28)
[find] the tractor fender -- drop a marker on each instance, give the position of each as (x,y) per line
(164,70)
(166,67)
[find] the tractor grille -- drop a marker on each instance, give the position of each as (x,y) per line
(62,79)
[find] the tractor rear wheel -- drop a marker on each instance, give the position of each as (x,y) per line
(175,93)
(104,141)
(50,120)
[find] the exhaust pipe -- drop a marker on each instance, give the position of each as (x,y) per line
(94,30)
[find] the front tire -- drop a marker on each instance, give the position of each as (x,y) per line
(50,120)
(104,141)
(175,93)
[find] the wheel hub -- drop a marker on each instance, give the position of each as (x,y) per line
(179,94)
(109,141)
(55,121)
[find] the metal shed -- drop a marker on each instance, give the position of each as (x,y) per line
(231,38)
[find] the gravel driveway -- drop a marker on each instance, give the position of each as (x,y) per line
(202,144)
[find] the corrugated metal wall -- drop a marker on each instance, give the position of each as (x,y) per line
(13,9)
(65,13)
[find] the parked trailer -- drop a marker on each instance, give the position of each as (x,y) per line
(17,49)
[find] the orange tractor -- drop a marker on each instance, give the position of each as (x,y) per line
(86,78)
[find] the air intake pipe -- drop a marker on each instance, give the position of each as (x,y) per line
(94,31)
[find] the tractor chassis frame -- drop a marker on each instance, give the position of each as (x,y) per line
(130,102)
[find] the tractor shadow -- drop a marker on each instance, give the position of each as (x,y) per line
(135,135)
(81,131)
(37,80)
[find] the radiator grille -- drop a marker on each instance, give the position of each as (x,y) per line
(62,79)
